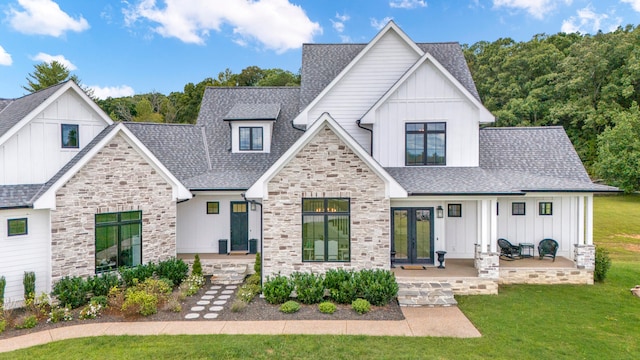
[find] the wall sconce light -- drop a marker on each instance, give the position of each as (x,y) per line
(253,206)
(439,212)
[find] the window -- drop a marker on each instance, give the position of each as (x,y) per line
(250,138)
(455,210)
(17,227)
(425,144)
(118,240)
(545,208)
(70,136)
(517,208)
(213,207)
(326,229)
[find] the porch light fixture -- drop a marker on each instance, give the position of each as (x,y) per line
(253,206)
(439,212)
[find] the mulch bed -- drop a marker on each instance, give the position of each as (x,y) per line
(257,310)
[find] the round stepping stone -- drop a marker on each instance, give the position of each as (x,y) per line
(207,297)
(210,316)
(219,302)
(224,297)
(197,308)
(226,292)
(203,302)
(211,292)
(216,308)
(231,287)
(192,316)
(216,287)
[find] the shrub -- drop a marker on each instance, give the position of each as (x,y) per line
(174,304)
(60,314)
(173,269)
(29,282)
(157,287)
(277,290)
(27,322)
(71,291)
(100,285)
(91,311)
(361,306)
(253,279)
(238,305)
(327,307)
(309,287)
(290,307)
(257,267)
(602,265)
(378,287)
(192,284)
(342,285)
(3,284)
(137,274)
(3,325)
(102,300)
(197,266)
(247,292)
(139,302)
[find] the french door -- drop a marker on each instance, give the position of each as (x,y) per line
(412,236)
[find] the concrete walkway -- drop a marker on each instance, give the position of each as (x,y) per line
(419,321)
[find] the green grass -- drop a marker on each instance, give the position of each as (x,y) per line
(523,322)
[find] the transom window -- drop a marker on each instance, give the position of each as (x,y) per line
(518,208)
(118,240)
(251,138)
(17,227)
(454,210)
(545,208)
(70,136)
(425,143)
(326,229)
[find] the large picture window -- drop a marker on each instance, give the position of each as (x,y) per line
(326,229)
(118,240)
(70,136)
(251,138)
(425,144)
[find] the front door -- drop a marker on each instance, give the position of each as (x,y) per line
(239,226)
(412,238)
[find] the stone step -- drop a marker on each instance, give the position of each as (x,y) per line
(226,273)
(424,293)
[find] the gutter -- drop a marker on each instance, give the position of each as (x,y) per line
(370,136)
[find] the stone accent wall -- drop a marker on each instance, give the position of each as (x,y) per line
(585,257)
(546,276)
(325,167)
(116,179)
(487,263)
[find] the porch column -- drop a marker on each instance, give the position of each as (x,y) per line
(493,238)
(588,226)
(581,229)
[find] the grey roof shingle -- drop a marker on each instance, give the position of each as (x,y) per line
(241,170)
(17,109)
(253,112)
(15,196)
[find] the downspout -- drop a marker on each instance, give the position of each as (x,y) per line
(370,136)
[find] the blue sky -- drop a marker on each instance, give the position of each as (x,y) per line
(122,48)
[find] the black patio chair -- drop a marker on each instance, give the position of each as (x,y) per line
(508,251)
(548,247)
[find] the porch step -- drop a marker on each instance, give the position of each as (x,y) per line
(425,293)
(227,273)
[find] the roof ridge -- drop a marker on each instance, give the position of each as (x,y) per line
(126,123)
(522,127)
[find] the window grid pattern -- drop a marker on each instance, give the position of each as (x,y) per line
(251,138)
(425,144)
(326,229)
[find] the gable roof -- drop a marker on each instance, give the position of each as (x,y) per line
(18,196)
(19,112)
(259,189)
(253,112)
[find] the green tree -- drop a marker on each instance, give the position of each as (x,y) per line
(145,113)
(48,74)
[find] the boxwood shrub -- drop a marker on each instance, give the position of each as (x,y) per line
(309,287)
(277,290)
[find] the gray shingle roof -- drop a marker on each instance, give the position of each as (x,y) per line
(17,109)
(180,148)
(253,112)
(241,170)
(14,196)
(321,63)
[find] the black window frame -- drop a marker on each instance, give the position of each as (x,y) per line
(64,128)
(425,131)
(545,208)
(326,212)
(454,210)
(518,208)
(26,226)
(252,146)
(119,222)
(216,207)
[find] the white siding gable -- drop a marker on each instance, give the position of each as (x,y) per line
(368,79)
(34,153)
(427,95)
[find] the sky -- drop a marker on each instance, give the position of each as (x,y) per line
(126,47)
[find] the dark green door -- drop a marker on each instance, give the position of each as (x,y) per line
(412,237)
(239,226)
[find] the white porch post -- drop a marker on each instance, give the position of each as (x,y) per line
(493,238)
(585,251)
(485,225)
(581,229)
(486,258)
(588,226)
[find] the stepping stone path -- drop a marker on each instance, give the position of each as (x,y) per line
(212,302)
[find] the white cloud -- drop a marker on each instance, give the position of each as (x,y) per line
(379,24)
(43,57)
(339,24)
(43,17)
(536,8)
(635,4)
(5,57)
(276,24)
(112,91)
(407,4)
(588,21)
(345,39)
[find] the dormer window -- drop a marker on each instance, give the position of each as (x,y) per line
(425,144)
(251,138)
(70,136)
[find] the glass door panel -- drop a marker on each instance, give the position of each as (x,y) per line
(423,234)
(400,234)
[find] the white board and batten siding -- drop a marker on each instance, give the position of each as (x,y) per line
(461,232)
(365,83)
(20,253)
(561,226)
(34,154)
(199,232)
(427,96)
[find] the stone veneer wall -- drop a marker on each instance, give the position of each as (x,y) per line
(549,276)
(487,263)
(585,257)
(116,179)
(325,167)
